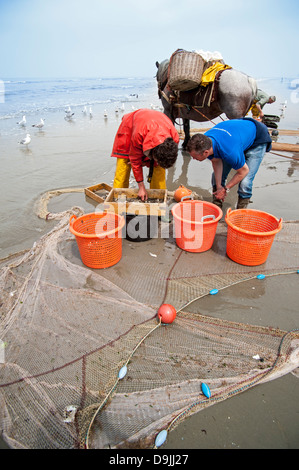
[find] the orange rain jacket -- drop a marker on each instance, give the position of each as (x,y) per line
(138,132)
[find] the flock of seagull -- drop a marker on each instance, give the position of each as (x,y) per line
(26,141)
(69,116)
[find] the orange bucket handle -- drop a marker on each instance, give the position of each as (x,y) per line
(72,219)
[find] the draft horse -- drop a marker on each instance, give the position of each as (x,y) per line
(233,95)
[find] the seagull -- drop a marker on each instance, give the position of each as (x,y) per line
(40,125)
(26,141)
(283,105)
(68,113)
(90,111)
(22,122)
(122,108)
(105,114)
(84,110)
(69,117)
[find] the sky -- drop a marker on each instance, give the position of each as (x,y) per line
(125,38)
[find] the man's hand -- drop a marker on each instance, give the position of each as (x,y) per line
(142,192)
(240,174)
(220,194)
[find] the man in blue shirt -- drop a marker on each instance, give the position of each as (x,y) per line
(239,144)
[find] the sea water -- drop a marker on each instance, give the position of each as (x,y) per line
(41,96)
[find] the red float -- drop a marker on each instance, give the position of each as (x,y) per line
(182,192)
(167,313)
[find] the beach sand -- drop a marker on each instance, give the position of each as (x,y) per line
(77,155)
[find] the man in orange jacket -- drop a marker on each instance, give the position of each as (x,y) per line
(144,138)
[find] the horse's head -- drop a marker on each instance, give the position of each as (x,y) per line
(161,74)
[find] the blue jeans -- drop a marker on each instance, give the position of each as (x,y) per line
(253,158)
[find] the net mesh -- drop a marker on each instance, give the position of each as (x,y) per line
(67,330)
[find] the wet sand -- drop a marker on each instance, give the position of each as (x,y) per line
(77,155)
(266,416)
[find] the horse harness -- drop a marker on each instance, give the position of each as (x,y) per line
(206,94)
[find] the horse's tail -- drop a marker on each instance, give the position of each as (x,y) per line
(253,86)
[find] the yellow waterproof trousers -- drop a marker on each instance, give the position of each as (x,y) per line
(123,170)
(254,110)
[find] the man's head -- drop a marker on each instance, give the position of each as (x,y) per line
(272,99)
(200,147)
(166,153)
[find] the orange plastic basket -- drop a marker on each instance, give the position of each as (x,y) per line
(250,235)
(195,224)
(99,238)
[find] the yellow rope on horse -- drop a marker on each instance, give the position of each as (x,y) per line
(209,75)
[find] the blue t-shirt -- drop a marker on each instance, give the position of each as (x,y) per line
(231,139)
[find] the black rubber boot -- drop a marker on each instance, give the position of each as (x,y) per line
(243,202)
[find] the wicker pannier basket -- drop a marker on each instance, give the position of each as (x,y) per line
(185,70)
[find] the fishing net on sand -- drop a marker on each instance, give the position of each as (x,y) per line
(66,331)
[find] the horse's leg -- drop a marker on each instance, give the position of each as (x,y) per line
(186,125)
